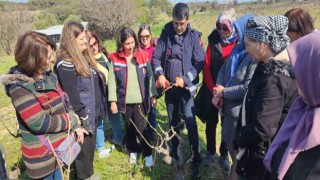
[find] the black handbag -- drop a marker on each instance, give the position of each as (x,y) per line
(202,103)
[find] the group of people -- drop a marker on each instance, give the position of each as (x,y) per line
(263,89)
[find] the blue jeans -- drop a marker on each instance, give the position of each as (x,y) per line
(100,134)
(115,121)
(54,175)
(175,99)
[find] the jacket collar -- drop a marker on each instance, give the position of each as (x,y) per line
(279,64)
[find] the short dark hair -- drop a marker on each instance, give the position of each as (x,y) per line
(181,11)
(300,21)
(124,34)
(31,51)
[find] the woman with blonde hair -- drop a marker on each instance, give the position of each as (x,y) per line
(79,76)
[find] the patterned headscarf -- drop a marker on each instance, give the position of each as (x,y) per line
(269,29)
(227,17)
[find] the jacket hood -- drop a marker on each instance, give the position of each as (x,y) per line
(279,64)
(240,25)
(214,37)
(14,76)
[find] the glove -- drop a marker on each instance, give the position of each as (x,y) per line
(85,124)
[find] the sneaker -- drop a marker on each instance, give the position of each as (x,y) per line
(208,159)
(196,171)
(224,162)
(103,153)
(148,161)
(133,158)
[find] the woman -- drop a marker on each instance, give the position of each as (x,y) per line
(300,23)
(40,104)
(221,42)
(131,85)
(78,75)
(101,54)
(147,44)
(232,84)
(294,153)
(270,93)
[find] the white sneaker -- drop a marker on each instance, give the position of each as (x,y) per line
(148,161)
(133,158)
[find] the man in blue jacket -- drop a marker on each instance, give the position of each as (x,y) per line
(178,58)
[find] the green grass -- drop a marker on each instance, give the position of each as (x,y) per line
(116,166)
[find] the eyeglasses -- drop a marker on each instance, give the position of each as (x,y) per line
(291,73)
(222,27)
(179,23)
(146,36)
(95,43)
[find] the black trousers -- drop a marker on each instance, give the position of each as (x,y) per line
(136,113)
(84,161)
(180,104)
(211,127)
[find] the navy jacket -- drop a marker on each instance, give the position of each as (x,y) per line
(120,69)
(81,91)
(192,56)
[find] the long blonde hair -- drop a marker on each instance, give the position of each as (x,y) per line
(69,51)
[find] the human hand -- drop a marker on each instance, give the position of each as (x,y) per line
(162,82)
(79,133)
(114,107)
(85,124)
(218,91)
(153,101)
(216,102)
(179,82)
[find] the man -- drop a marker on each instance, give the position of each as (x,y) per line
(178,59)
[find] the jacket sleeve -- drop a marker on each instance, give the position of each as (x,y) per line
(68,81)
(207,78)
(35,117)
(265,116)
(221,75)
(197,61)
(152,85)
(157,56)
(238,91)
(112,86)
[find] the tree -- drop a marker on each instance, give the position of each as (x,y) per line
(108,17)
(44,20)
(12,24)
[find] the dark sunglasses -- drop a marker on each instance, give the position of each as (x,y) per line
(221,27)
(146,36)
(291,73)
(95,43)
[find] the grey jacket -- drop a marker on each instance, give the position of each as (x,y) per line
(235,92)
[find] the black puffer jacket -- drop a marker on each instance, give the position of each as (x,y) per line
(268,100)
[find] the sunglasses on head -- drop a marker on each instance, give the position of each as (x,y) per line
(146,36)
(222,27)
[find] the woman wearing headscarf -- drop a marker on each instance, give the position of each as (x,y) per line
(232,84)
(295,151)
(221,42)
(269,96)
